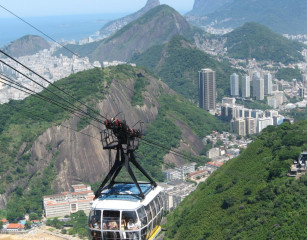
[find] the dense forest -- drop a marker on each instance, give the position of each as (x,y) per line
(250,197)
(253,40)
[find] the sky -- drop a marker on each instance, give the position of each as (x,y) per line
(70,7)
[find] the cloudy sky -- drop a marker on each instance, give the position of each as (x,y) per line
(67,7)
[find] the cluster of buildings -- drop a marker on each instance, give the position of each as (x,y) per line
(19,227)
(52,68)
(246,121)
(67,203)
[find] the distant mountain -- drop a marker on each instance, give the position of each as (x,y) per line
(156,27)
(203,7)
(26,45)
(253,40)
(251,196)
(286,16)
(177,63)
(117,24)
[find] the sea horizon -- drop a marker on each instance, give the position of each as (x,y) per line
(59,27)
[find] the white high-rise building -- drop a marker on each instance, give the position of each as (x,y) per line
(239,127)
(255,76)
(259,88)
(234,84)
(251,125)
(207,89)
(267,83)
(246,86)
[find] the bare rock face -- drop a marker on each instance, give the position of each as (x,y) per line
(79,158)
(2,201)
(190,143)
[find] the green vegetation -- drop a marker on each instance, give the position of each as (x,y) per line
(78,223)
(178,63)
(21,122)
(250,197)
(2,214)
(254,104)
(289,74)
(165,132)
(139,88)
(253,40)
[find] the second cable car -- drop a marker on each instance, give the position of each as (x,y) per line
(125,210)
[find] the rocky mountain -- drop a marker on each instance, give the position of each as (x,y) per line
(286,16)
(251,196)
(177,63)
(26,45)
(117,24)
(156,27)
(204,7)
(44,149)
(253,40)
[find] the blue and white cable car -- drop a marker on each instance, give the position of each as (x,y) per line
(125,210)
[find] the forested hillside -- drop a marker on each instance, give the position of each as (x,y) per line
(155,27)
(177,63)
(253,40)
(44,149)
(250,197)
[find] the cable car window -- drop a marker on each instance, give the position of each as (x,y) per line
(111,235)
(130,220)
(157,204)
(160,200)
(149,229)
(148,212)
(144,233)
(132,235)
(111,220)
(142,216)
(96,235)
(153,209)
(95,219)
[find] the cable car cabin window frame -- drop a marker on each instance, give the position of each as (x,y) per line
(94,225)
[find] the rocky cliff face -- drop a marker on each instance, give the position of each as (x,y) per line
(115,25)
(80,158)
(27,45)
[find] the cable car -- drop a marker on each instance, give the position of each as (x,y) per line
(125,210)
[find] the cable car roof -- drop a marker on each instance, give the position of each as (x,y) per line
(126,192)
(126,202)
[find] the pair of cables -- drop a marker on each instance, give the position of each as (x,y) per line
(67,105)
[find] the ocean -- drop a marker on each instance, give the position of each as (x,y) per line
(70,27)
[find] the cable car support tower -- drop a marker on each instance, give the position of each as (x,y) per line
(118,136)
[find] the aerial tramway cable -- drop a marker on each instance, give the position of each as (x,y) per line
(145,140)
(45,98)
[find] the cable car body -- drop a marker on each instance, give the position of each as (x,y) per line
(125,210)
(116,216)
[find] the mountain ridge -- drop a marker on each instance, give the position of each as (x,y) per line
(288,16)
(253,40)
(26,45)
